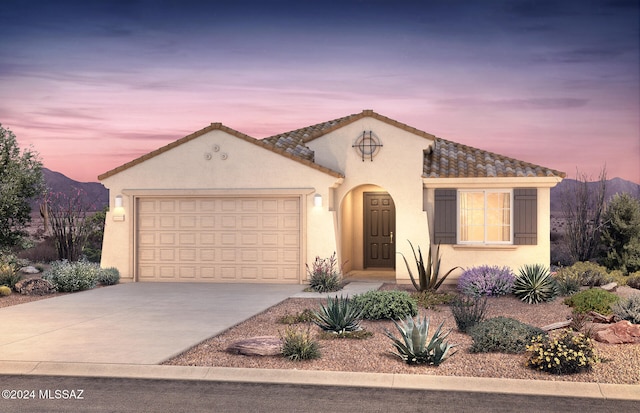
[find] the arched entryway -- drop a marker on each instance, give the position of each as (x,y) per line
(367,230)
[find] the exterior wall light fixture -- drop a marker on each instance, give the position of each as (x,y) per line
(317,200)
(118,211)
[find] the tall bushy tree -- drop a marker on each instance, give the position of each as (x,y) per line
(21,180)
(621,234)
(583,207)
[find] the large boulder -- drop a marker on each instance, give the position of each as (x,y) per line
(619,333)
(34,286)
(257,346)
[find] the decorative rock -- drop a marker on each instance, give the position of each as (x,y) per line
(555,326)
(257,346)
(619,333)
(30,270)
(611,287)
(34,286)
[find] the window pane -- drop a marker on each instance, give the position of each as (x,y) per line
(485,216)
(472,216)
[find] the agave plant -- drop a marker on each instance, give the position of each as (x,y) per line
(534,284)
(339,316)
(414,349)
(429,273)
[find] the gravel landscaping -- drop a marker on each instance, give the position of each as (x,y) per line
(620,363)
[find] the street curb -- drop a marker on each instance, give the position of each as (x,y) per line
(603,391)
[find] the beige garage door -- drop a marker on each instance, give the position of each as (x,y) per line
(240,239)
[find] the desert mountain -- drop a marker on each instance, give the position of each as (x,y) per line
(56,182)
(613,186)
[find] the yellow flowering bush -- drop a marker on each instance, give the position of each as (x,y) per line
(566,354)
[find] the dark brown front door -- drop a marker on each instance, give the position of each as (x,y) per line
(379,230)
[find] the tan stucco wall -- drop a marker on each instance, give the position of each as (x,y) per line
(396,169)
(337,225)
(513,256)
(248,169)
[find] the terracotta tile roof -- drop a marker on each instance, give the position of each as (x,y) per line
(445,159)
(448,159)
(293,142)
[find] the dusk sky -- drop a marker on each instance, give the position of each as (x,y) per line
(94,84)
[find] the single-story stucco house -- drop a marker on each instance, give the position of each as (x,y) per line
(221,206)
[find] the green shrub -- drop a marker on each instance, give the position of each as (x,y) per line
(339,316)
(4,291)
(324,276)
(393,305)
(468,311)
(568,282)
(414,348)
(306,316)
(299,345)
(628,309)
(593,299)
(109,276)
(72,276)
(430,299)
(503,335)
(567,354)
(10,269)
(633,280)
(428,277)
(534,284)
(589,274)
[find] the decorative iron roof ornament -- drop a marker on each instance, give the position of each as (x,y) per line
(367,145)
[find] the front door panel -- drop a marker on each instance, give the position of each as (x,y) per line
(379,230)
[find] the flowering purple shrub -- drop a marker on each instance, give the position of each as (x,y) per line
(486,280)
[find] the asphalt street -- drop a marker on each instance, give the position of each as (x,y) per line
(88,394)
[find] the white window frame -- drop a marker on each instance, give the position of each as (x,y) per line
(485,192)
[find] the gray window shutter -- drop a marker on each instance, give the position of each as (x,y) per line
(445,216)
(525,216)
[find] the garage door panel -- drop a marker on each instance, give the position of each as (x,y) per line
(219,239)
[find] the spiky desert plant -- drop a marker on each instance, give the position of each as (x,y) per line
(428,277)
(534,284)
(299,345)
(339,316)
(324,275)
(468,311)
(414,349)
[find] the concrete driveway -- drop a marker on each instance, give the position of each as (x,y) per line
(137,323)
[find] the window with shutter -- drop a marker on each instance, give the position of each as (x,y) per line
(486,216)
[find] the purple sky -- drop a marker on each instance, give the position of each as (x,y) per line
(94,84)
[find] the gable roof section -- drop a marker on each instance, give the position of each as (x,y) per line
(218,126)
(448,159)
(294,142)
(444,159)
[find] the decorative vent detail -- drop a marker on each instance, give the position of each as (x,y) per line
(367,145)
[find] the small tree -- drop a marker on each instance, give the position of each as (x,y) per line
(621,234)
(69,216)
(21,180)
(583,208)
